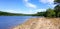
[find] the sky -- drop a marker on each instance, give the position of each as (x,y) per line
(25,6)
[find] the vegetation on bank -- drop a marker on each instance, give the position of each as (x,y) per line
(52,12)
(11,14)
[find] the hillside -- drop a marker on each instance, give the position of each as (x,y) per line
(40,23)
(13,14)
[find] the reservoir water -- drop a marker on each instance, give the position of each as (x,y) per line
(9,21)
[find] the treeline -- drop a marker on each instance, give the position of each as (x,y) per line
(13,14)
(51,12)
(10,14)
(7,14)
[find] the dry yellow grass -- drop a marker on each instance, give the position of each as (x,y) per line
(40,23)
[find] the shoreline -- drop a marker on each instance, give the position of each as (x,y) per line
(36,23)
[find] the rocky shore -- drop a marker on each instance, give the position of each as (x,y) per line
(40,23)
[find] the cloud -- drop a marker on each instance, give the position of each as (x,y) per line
(29,12)
(23,11)
(28,4)
(25,0)
(40,10)
(46,1)
(50,3)
(34,11)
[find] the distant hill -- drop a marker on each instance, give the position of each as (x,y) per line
(11,14)
(19,14)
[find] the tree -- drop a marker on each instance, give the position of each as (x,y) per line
(57,7)
(57,2)
(57,10)
(50,13)
(58,14)
(40,13)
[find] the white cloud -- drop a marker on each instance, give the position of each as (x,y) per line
(50,3)
(30,5)
(46,1)
(40,10)
(26,0)
(29,12)
(24,12)
(34,11)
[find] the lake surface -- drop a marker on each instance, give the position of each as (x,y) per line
(7,22)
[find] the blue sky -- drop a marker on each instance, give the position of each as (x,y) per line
(25,6)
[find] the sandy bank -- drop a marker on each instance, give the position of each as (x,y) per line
(40,23)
